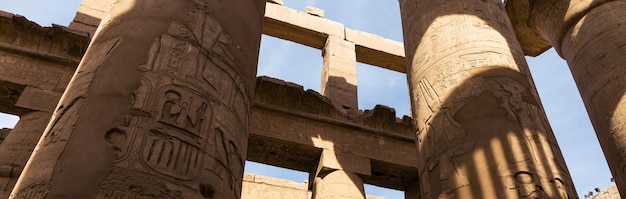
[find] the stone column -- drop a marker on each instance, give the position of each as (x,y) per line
(339,73)
(338,184)
(590,36)
(158,108)
(482,131)
(18,146)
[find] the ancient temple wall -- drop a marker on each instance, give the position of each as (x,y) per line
(262,187)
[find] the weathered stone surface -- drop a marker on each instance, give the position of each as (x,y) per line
(290,127)
(302,28)
(89,15)
(338,184)
(18,146)
(589,35)
(299,27)
(56,43)
(4,132)
(37,99)
(38,57)
(314,11)
(339,73)
(609,193)
(165,105)
(9,94)
(377,51)
(482,132)
(261,187)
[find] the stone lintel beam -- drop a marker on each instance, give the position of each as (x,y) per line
(290,128)
(56,43)
(288,24)
(299,27)
(377,51)
(309,30)
(329,133)
(37,99)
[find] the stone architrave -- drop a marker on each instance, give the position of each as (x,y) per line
(482,131)
(158,108)
(18,146)
(589,35)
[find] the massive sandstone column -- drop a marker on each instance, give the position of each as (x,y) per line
(158,108)
(590,35)
(18,146)
(338,184)
(482,131)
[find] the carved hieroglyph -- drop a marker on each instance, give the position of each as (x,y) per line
(590,36)
(158,108)
(482,132)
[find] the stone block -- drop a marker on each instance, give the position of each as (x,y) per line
(37,99)
(344,161)
(314,11)
(299,27)
(377,51)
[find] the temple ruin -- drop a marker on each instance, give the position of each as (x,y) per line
(163,100)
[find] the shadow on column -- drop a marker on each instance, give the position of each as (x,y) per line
(482,131)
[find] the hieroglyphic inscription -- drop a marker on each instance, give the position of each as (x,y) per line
(171,156)
(190,73)
(185,110)
(437,125)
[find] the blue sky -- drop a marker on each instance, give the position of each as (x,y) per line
(302,65)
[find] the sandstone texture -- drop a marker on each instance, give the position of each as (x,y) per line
(481,129)
(589,36)
(158,99)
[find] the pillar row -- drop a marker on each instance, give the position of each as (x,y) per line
(159,106)
(18,146)
(339,82)
(589,35)
(482,131)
